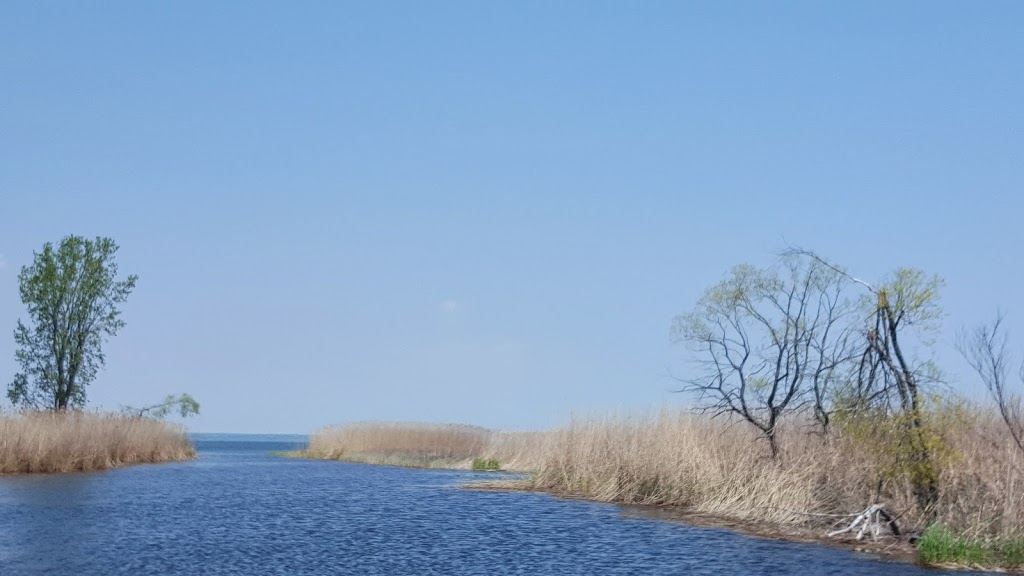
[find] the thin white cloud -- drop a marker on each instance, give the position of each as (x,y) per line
(448,306)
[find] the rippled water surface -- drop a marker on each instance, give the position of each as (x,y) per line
(240,510)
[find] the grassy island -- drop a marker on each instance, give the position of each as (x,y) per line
(76,441)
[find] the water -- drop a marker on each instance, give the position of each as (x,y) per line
(239,510)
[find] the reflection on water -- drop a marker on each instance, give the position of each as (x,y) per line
(239,510)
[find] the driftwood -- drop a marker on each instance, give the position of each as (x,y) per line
(872,520)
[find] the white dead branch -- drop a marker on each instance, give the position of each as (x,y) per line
(873,520)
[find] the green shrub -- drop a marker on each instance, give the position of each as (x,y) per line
(485,464)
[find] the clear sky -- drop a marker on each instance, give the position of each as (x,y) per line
(490,212)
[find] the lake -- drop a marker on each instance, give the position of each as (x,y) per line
(240,510)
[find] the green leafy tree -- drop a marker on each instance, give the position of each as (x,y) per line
(72,292)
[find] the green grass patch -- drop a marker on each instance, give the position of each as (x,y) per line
(940,545)
(485,464)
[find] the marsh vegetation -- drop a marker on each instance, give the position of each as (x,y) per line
(76,441)
(400,443)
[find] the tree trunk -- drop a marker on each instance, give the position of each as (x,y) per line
(924,475)
(773,442)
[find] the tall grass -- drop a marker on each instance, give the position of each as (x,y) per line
(528,451)
(83,441)
(708,466)
(400,443)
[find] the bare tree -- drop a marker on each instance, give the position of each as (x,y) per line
(985,349)
(768,342)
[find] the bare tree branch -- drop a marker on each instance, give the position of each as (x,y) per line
(985,349)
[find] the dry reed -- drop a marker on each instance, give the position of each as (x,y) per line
(721,468)
(400,443)
(83,441)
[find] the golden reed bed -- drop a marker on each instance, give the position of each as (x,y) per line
(84,441)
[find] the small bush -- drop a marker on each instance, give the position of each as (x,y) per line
(485,464)
(896,446)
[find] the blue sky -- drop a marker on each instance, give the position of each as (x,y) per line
(490,212)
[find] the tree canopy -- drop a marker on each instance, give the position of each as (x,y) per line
(73,293)
(768,342)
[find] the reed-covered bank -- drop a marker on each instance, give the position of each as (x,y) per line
(76,441)
(410,444)
(718,468)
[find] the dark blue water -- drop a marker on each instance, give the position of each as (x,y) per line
(239,510)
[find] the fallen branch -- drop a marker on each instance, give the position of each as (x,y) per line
(871,520)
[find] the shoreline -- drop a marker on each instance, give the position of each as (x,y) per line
(889,550)
(109,468)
